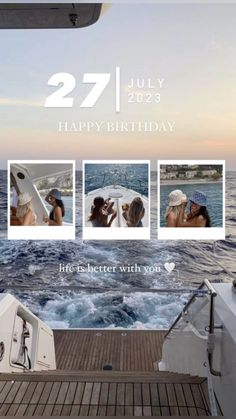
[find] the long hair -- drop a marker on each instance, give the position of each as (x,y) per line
(22,210)
(204,213)
(60,204)
(98,203)
(175,209)
(136,211)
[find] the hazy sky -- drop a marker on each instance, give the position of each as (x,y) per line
(193,47)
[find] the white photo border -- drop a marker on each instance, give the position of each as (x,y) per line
(212,233)
(118,233)
(40,232)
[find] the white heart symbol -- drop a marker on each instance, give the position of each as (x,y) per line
(169,266)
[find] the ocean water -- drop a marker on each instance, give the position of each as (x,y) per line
(214,192)
(133,176)
(30,271)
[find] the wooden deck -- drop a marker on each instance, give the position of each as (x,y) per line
(91,350)
(89,396)
(80,386)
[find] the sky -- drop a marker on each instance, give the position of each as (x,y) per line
(191,46)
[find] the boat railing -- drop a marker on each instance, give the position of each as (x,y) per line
(210,329)
(118,177)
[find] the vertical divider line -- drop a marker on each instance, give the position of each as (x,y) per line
(117,89)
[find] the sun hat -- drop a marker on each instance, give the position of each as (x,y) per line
(175,198)
(55,193)
(24,198)
(199,198)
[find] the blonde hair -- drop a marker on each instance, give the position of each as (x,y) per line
(175,210)
(136,211)
(22,210)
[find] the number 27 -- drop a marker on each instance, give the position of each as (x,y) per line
(58,99)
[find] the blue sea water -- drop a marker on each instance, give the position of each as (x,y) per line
(214,192)
(30,271)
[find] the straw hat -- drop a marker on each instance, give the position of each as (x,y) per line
(175,198)
(199,198)
(24,198)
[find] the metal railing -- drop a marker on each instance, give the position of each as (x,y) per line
(210,329)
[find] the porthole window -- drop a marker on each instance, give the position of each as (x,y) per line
(20,175)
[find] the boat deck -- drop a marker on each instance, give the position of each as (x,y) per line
(91,350)
(81,387)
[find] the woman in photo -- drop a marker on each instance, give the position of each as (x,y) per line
(100,212)
(134,213)
(176,198)
(198,216)
(58,209)
(24,211)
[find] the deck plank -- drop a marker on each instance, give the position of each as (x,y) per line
(87,393)
(54,392)
(45,393)
(188,396)
(37,393)
(129,394)
(104,394)
(79,393)
(138,410)
(70,393)
(48,410)
(120,410)
(120,394)
(2,384)
(13,409)
(156,411)
(102,411)
(146,394)
(29,393)
(13,392)
(138,401)
(75,410)
(4,409)
(62,393)
(21,410)
(112,394)
(197,396)
(154,394)
(21,392)
(111,410)
(6,389)
(39,410)
(162,395)
(95,394)
(93,410)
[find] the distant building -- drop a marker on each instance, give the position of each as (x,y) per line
(171,175)
(209,173)
(189,174)
(168,176)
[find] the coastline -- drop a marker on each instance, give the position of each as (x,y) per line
(187,182)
